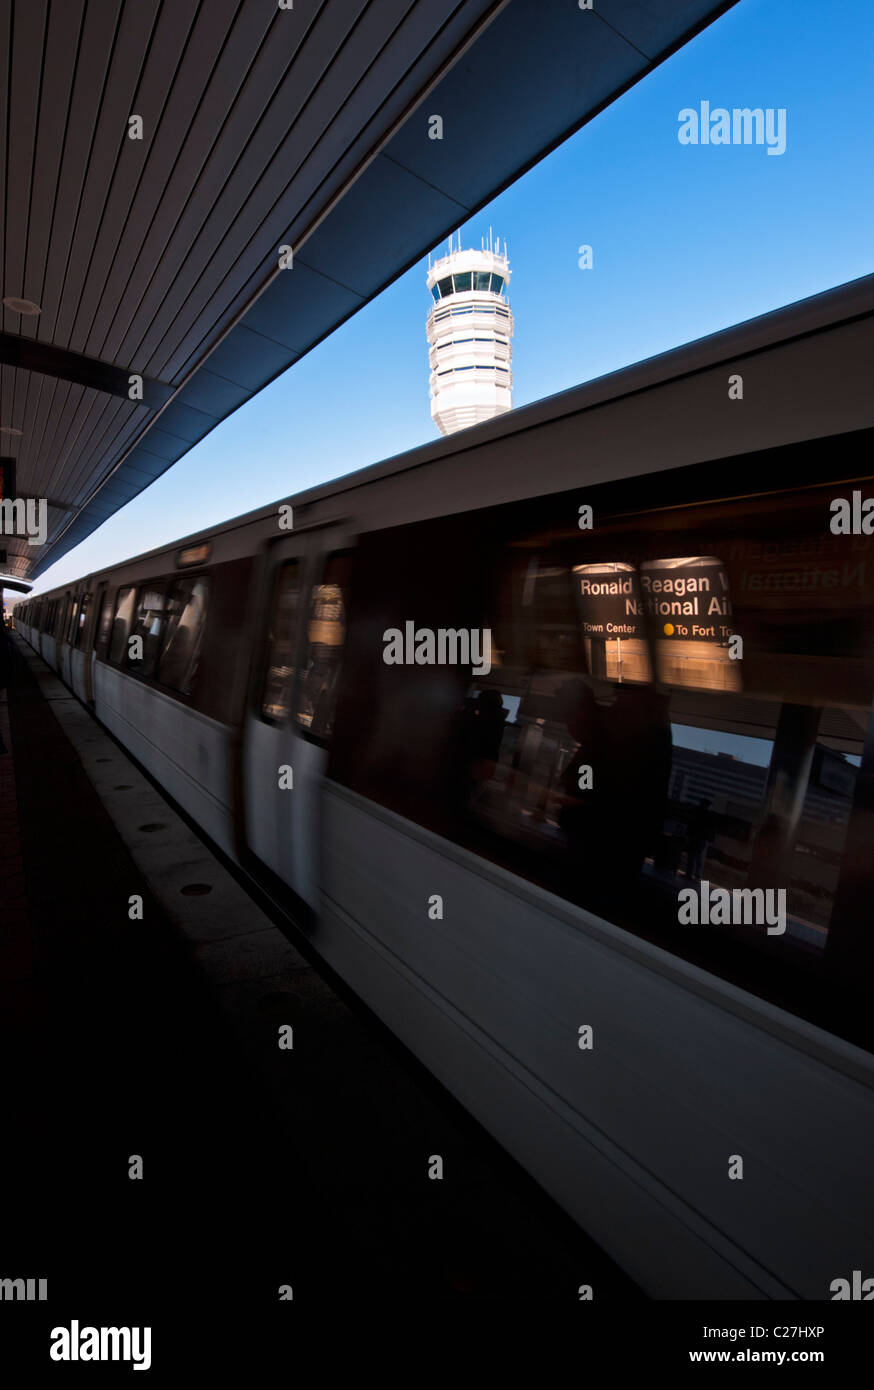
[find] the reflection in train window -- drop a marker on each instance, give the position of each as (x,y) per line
(515,732)
(326,635)
(101,637)
(614,628)
(747,809)
(124,610)
(71,624)
(280,643)
(183,636)
(147,626)
(621,754)
(84,612)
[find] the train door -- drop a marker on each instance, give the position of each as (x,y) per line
(97,625)
(290,712)
(81,655)
(65,638)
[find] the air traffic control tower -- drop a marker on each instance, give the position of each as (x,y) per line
(469,330)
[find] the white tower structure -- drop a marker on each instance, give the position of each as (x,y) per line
(470,328)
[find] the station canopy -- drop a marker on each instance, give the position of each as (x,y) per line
(157,155)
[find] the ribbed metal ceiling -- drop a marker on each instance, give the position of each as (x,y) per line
(261,127)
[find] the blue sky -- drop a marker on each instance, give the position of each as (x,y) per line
(686,240)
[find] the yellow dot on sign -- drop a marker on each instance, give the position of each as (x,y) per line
(669,629)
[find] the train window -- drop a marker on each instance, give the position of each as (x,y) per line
(71,625)
(326,635)
(147,625)
(84,614)
(280,645)
(183,637)
(101,636)
(124,608)
(655,762)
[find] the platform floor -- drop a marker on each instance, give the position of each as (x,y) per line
(157,1038)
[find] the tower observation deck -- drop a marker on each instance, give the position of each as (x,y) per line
(470,329)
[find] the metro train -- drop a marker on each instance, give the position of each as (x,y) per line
(676,705)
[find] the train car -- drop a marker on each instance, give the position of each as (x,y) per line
(555,736)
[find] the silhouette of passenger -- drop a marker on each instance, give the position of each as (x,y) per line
(175,661)
(580,816)
(478,729)
(636,770)
(487,729)
(318,688)
(699,836)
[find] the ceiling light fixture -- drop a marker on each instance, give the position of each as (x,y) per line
(21,306)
